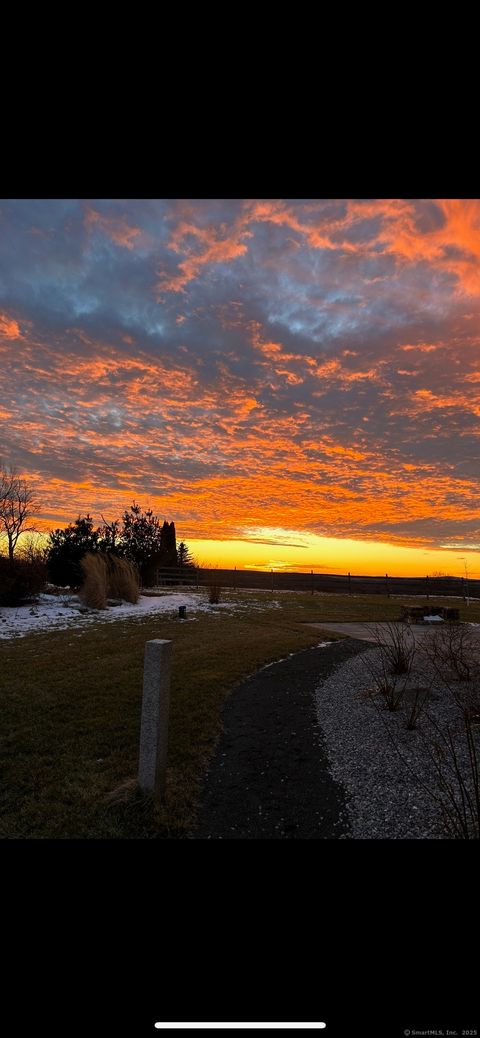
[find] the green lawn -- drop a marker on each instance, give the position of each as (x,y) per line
(71,704)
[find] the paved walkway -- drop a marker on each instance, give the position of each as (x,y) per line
(379,632)
(269,777)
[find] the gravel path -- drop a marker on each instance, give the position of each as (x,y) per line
(383,776)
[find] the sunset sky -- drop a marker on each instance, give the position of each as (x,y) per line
(295,383)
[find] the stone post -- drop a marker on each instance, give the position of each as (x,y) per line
(154,725)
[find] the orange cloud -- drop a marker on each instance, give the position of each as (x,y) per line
(9,328)
(318,235)
(215,247)
(453,247)
(118,230)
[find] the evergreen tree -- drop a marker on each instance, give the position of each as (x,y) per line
(66,548)
(185,558)
(168,545)
(142,539)
(109,537)
(147,542)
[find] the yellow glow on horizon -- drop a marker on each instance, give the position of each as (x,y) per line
(332,555)
(267,548)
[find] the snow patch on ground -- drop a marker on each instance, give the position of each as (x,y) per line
(320,645)
(59,612)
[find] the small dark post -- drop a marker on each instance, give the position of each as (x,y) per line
(349,584)
(182,612)
(387,585)
(428,588)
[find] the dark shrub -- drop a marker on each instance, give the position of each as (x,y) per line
(20,580)
(214,593)
(66,549)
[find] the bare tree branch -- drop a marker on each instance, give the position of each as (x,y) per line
(18,505)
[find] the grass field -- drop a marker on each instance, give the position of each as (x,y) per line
(71,704)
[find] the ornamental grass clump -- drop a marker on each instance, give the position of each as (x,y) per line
(122,579)
(108,576)
(94,589)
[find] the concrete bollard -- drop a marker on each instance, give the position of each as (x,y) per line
(154,725)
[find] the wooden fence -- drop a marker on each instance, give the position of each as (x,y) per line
(347,583)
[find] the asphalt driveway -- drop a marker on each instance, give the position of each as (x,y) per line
(269,777)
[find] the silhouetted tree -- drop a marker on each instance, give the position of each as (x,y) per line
(66,548)
(32,548)
(109,537)
(140,537)
(17,507)
(147,542)
(168,545)
(185,558)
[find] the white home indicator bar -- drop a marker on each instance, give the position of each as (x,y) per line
(190,1026)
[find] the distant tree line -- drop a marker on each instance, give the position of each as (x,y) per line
(139,537)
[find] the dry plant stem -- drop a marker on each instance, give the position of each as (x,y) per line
(458,804)
(417,707)
(454,649)
(398,650)
(383,682)
(455,816)
(466,704)
(214,593)
(423,785)
(463,818)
